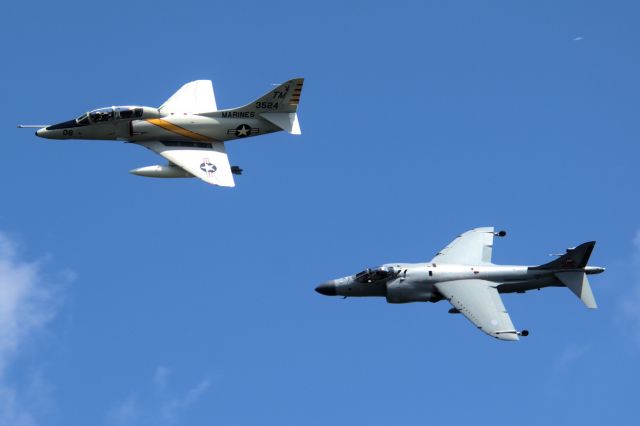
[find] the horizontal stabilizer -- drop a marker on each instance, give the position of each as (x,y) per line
(286,121)
(579,285)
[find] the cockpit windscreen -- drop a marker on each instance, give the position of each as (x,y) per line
(83,119)
(372,275)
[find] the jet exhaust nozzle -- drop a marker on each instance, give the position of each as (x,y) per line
(594,270)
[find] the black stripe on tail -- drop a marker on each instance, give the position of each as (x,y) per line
(575,258)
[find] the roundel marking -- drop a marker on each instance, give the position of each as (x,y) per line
(208,167)
(243,130)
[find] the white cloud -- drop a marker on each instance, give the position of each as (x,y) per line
(11,410)
(175,406)
(160,378)
(630,302)
(164,406)
(570,354)
(24,305)
(27,304)
(124,413)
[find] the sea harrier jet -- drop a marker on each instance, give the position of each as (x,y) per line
(188,130)
(462,273)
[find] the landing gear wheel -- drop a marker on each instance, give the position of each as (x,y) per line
(524,333)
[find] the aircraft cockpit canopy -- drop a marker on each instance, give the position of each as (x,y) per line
(128,112)
(100,115)
(103,115)
(372,275)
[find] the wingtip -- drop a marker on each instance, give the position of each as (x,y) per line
(509,336)
(231,184)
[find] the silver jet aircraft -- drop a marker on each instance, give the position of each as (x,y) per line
(188,130)
(463,274)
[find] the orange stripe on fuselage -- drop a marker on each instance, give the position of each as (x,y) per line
(177,129)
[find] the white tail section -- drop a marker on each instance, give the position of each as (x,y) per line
(579,285)
(282,99)
(286,121)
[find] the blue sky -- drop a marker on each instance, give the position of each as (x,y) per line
(133,301)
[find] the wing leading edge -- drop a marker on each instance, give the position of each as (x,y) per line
(480,302)
(210,163)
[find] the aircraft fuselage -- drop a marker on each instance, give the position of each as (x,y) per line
(414,282)
(150,125)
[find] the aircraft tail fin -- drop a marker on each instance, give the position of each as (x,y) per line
(282,99)
(578,283)
(279,106)
(569,269)
(574,258)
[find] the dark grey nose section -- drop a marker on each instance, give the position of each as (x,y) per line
(66,125)
(328,289)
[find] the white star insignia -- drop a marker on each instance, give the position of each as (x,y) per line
(243,131)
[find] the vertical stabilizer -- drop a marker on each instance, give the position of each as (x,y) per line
(574,258)
(282,99)
(279,106)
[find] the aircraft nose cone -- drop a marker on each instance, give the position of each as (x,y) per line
(40,132)
(328,288)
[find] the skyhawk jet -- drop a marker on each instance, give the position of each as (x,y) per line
(188,130)
(462,273)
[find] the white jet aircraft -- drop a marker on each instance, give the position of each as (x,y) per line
(188,129)
(463,274)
